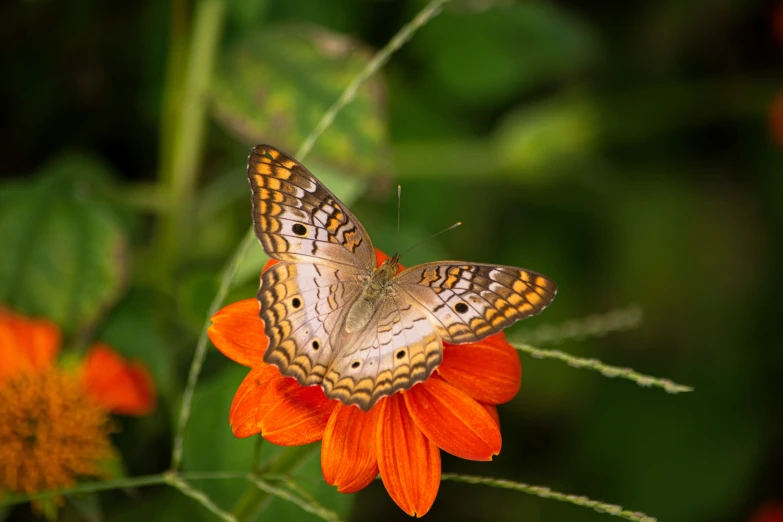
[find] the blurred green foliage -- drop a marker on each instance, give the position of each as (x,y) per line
(65,254)
(621,149)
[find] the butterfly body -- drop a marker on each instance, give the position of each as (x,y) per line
(376,288)
(361,331)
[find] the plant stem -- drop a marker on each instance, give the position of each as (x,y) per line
(544,492)
(201,349)
(89,487)
(605,369)
(430,11)
(183,126)
(259,442)
(172,88)
(254,499)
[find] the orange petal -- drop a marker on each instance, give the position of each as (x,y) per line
(770,511)
(117,385)
(453,421)
(776,118)
(488,371)
(408,462)
(493,412)
(291,415)
(243,415)
(26,344)
(348,458)
(238,332)
(380,257)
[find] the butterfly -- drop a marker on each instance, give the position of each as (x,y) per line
(361,331)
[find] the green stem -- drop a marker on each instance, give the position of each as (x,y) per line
(201,348)
(88,487)
(199,496)
(256,462)
(306,503)
(604,369)
(595,325)
(129,482)
(253,500)
(183,126)
(172,87)
(544,492)
(430,11)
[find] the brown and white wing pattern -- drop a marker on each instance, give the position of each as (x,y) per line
(296,218)
(303,306)
(398,349)
(469,301)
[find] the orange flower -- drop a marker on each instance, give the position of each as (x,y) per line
(776,118)
(771,511)
(778,23)
(400,437)
(54,424)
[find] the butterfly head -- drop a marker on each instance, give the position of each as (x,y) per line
(389,267)
(380,280)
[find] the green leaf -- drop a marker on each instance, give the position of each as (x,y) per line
(63,249)
(245,14)
(559,134)
(485,58)
(278,82)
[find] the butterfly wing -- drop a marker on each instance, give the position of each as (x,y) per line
(469,301)
(397,349)
(296,218)
(303,306)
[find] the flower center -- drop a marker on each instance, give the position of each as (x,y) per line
(51,432)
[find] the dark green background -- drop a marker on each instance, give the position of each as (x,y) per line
(623,149)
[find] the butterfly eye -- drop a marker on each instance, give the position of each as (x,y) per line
(460,308)
(355,364)
(296,302)
(401,354)
(299,229)
(316,344)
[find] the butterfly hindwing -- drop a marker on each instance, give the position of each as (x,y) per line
(469,301)
(296,218)
(398,349)
(303,306)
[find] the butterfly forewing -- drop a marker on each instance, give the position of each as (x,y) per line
(296,218)
(394,339)
(469,301)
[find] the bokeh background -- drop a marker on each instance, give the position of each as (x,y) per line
(631,151)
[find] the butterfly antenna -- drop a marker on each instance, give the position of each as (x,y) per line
(399,198)
(455,225)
